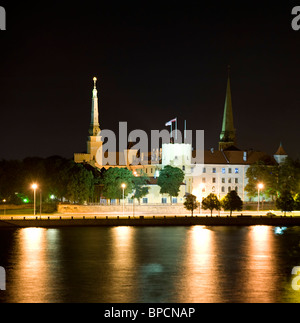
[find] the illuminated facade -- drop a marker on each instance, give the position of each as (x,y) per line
(223,170)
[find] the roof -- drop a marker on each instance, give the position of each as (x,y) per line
(236,157)
(281,151)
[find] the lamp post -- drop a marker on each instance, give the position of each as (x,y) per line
(123,187)
(34,187)
(260,186)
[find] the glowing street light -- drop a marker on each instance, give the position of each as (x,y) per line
(123,187)
(34,187)
(4,210)
(260,186)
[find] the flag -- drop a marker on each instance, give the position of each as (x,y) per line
(170,122)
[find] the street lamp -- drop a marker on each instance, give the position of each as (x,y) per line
(34,187)
(123,187)
(4,210)
(260,186)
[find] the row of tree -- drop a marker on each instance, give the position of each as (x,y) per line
(231,202)
(64,180)
(56,177)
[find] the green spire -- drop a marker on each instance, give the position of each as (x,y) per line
(227,136)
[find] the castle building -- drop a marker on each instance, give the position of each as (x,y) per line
(223,170)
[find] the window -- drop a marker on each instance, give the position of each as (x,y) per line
(236,180)
(223,180)
(236,189)
(214,180)
(236,170)
(203,180)
(183,168)
(229,189)
(130,201)
(213,189)
(204,170)
(223,170)
(229,170)
(229,180)
(223,189)
(145,200)
(151,170)
(113,201)
(214,170)
(174,200)
(164,200)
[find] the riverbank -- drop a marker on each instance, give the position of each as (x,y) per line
(59,221)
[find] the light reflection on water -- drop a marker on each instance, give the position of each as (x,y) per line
(150,264)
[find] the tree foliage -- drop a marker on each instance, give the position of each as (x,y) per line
(232,202)
(55,175)
(285,202)
(211,202)
(140,188)
(113,178)
(170,179)
(191,203)
(276,178)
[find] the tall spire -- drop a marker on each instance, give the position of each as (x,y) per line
(94,129)
(227,136)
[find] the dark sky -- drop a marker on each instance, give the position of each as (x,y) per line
(155,60)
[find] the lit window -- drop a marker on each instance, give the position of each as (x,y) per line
(223,170)
(236,170)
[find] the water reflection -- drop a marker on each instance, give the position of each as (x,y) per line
(30,274)
(199,279)
(150,264)
(122,265)
(260,281)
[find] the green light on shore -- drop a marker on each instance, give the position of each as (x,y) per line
(25,200)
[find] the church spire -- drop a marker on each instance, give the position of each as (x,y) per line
(94,128)
(227,136)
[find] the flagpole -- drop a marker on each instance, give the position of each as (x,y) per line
(176,130)
(184,130)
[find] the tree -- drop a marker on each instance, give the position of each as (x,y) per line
(139,187)
(191,203)
(169,180)
(285,202)
(113,178)
(232,202)
(261,172)
(297,202)
(211,202)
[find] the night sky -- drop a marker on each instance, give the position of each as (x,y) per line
(155,60)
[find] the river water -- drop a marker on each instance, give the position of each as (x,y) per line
(150,264)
